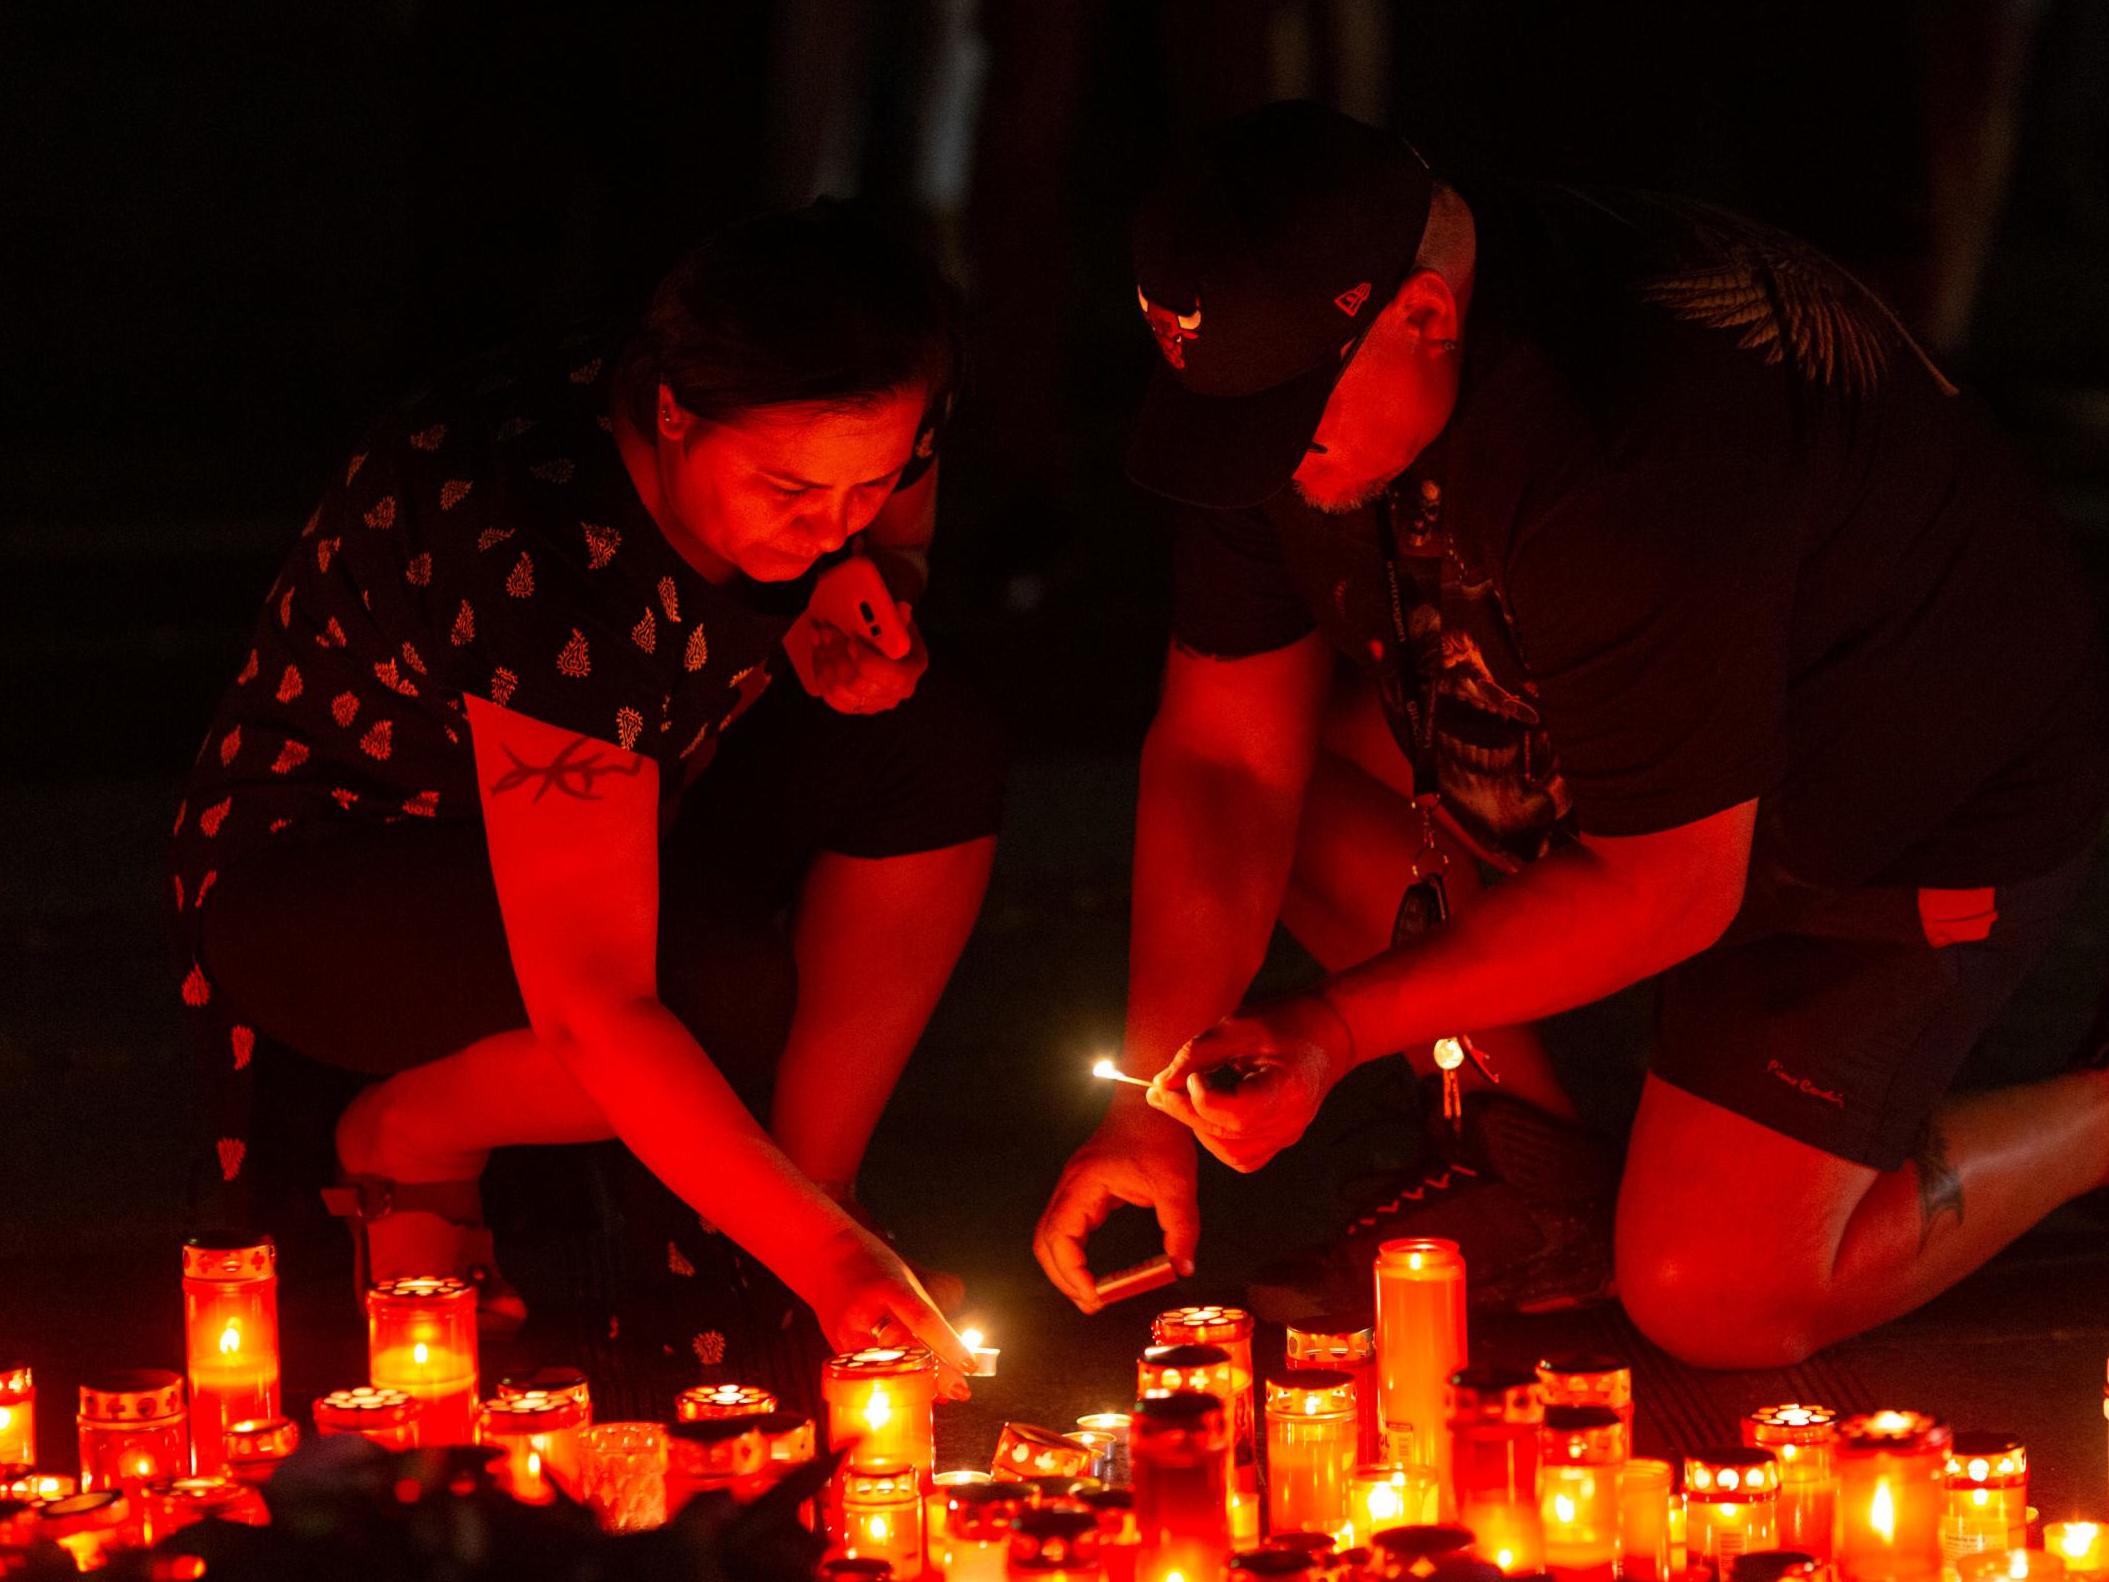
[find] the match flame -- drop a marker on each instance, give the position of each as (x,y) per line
(1105,1070)
(231,1338)
(1882,1512)
(878,1411)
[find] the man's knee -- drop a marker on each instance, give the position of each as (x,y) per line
(1682,1298)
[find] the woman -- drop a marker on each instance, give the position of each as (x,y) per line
(463,821)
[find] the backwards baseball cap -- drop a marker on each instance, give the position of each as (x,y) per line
(1261,256)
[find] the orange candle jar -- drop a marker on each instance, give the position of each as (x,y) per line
(1048,1543)
(1645,1490)
(540,1437)
(1113,1462)
(716,1455)
(1025,1451)
(2083,1546)
(1179,1449)
(2011,1565)
(256,1449)
(1581,1452)
(230,1333)
(1731,1504)
(1987,1481)
(133,1429)
(977,1539)
(1420,1343)
(421,1339)
(705,1401)
(1407,1553)
(1205,1370)
(1269,1564)
(882,1517)
(1339,1345)
(1495,1418)
(18,1417)
(1311,1438)
(89,1527)
(168,1505)
(562,1383)
(387,1417)
(622,1475)
(1114,1511)
(1381,1497)
(1891,1495)
(1803,1439)
(26,1483)
(1588,1380)
(1230,1328)
(880,1406)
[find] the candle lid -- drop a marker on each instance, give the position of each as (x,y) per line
(723,1400)
(200,1493)
(1431,1542)
(535,1412)
(1648,1472)
(1978,1457)
(1413,1253)
(787,1436)
(854,1568)
(229,1255)
(1584,1434)
(1180,1407)
(1895,1432)
(1206,1325)
(1776,1565)
(1496,1395)
(83,1513)
(132,1395)
(1310,1392)
(716,1430)
(262,1439)
(16,1378)
(982,1512)
(1057,1492)
(1054,1540)
(881,1362)
(440,1289)
(1332,1331)
(1730,1473)
(1791,1423)
(1277,1562)
(1185,1354)
(555,1379)
(366,1406)
(894,1480)
(1315,1544)
(1110,1422)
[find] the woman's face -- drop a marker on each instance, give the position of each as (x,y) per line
(771,491)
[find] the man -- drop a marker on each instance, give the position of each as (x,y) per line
(1663,572)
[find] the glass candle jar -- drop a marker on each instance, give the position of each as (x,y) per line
(18,1417)
(1205,1370)
(257,1448)
(421,1339)
(387,1417)
(1420,1344)
(1891,1495)
(937,1504)
(29,1484)
(622,1475)
(1112,1468)
(1645,1489)
(1025,1451)
(1731,1504)
(1351,1349)
(1114,1511)
(1780,1565)
(1381,1497)
(2083,1546)
(1495,1418)
(230,1335)
(168,1505)
(1413,1552)
(540,1437)
(977,1537)
(89,1527)
(789,1439)
(560,1382)
(1230,1328)
(1680,1554)
(1803,1439)
(1581,1449)
(133,1429)
(2011,1565)
(1269,1564)
(1051,1543)
(1588,1379)
(1311,1437)
(1987,1481)
(1180,1450)
(882,1517)
(705,1401)
(718,1454)
(879,1407)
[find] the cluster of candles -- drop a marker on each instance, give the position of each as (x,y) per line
(1374,1454)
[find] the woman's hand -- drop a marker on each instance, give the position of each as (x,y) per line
(1250,1085)
(867,1296)
(852,677)
(1135,1158)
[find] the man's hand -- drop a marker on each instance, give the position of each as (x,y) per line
(1284,1059)
(1133,1157)
(849,674)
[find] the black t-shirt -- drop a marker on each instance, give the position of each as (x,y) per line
(1715,530)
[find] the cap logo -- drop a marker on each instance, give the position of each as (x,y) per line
(1173,330)
(1350,301)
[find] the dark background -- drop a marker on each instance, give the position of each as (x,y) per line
(229,235)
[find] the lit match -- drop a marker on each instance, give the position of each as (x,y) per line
(1106,1071)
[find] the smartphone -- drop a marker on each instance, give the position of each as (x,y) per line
(852,597)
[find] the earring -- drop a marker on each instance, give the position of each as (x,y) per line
(666,416)
(1446,346)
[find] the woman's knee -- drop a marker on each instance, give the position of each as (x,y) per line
(1708,1316)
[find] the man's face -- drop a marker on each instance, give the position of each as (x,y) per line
(1394,396)
(773,490)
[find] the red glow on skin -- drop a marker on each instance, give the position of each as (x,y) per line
(1393,398)
(769,492)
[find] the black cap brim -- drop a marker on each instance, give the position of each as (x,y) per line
(1226,452)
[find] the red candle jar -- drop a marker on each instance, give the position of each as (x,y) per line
(540,1437)
(717,1454)
(1311,1439)
(1052,1544)
(1987,1481)
(1495,1418)
(88,1526)
(880,1405)
(255,1449)
(1891,1495)
(705,1401)
(421,1339)
(882,1517)
(1646,1490)
(1231,1329)
(1588,1380)
(978,1519)
(1178,1449)
(230,1330)
(18,1417)
(1731,1505)
(1420,1344)
(1582,1452)
(1804,1440)
(133,1429)
(387,1417)
(168,1505)
(1335,1343)
(1114,1511)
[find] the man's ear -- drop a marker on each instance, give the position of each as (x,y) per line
(672,419)
(1424,309)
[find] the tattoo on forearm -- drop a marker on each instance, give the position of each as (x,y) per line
(1940,1184)
(572,772)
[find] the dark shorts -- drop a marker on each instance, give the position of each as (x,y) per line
(1841,1018)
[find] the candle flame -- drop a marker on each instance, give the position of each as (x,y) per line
(421,1354)
(143,1467)
(534,1465)
(231,1338)
(1384,1503)
(7,1419)
(1504,1558)
(878,1411)
(1882,1512)
(2078,1538)
(972,1339)
(878,1529)
(1562,1508)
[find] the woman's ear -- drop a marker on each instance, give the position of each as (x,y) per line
(674,420)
